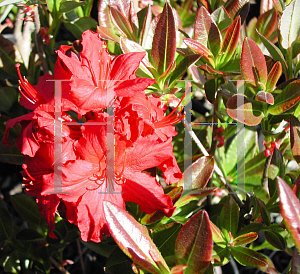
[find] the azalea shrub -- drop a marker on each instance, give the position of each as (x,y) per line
(161,135)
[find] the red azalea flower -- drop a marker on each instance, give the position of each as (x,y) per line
(93,74)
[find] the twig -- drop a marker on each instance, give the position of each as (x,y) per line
(80,256)
(58,266)
(264,179)
(217,169)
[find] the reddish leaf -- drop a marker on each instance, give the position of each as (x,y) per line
(245,239)
(235,6)
(106,33)
(295,140)
(253,64)
(200,49)
(265,5)
(244,110)
(274,76)
(249,257)
(122,23)
(178,269)
(275,239)
(198,174)
(266,97)
(133,239)
(195,195)
(229,216)
(296,187)
(271,270)
(207,68)
(206,31)
(290,210)
(194,244)
(295,264)
(217,235)
(231,40)
(289,96)
(164,41)
(267,23)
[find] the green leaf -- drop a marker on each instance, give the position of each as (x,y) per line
(229,216)
(289,25)
(253,65)
(10,155)
(164,41)
(30,235)
(198,174)
(164,237)
(67,6)
(244,110)
(290,210)
(264,212)
(194,244)
(211,86)
(6,222)
(217,235)
(27,209)
(275,239)
(80,25)
(118,263)
(248,257)
(245,239)
(8,96)
(133,239)
(289,96)
(274,51)
(221,255)
(295,138)
(9,2)
(221,17)
(101,248)
(274,76)
(182,67)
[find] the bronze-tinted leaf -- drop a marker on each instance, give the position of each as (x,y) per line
(133,239)
(249,257)
(107,33)
(229,216)
(253,64)
(295,138)
(235,6)
(194,244)
(164,41)
(244,110)
(267,23)
(266,97)
(207,32)
(245,239)
(230,40)
(274,76)
(178,269)
(290,210)
(289,96)
(217,235)
(295,264)
(122,23)
(198,174)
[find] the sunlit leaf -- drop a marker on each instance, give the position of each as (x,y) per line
(133,238)
(249,257)
(234,7)
(198,174)
(229,216)
(267,23)
(122,23)
(221,17)
(178,269)
(67,6)
(274,76)
(264,96)
(245,239)
(194,244)
(217,235)
(164,41)
(244,110)
(289,96)
(290,210)
(253,64)
(289,26)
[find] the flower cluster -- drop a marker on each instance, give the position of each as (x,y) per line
(110,134)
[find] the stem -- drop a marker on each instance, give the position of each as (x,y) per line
(264,179)
(58,266)
(80,256)
(217,169)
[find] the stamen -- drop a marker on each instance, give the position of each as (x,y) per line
(24,166)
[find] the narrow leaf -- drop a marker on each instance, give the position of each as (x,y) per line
(295,138)
(231,40)
(266,97)
(264,212)
(244,110)
(194,244)
(133,238)
(253,64)
(290,210)
(289,26)
(245,239)
(235,6)
(107,33)
(198,174)
(178,269)
(6,222)
(164,41)
(267,23)
(229,216)
(217,235)
(206,32)
(289,97)
(249,257)
(221,17)
(146,27)
(274,76)
(122,23)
